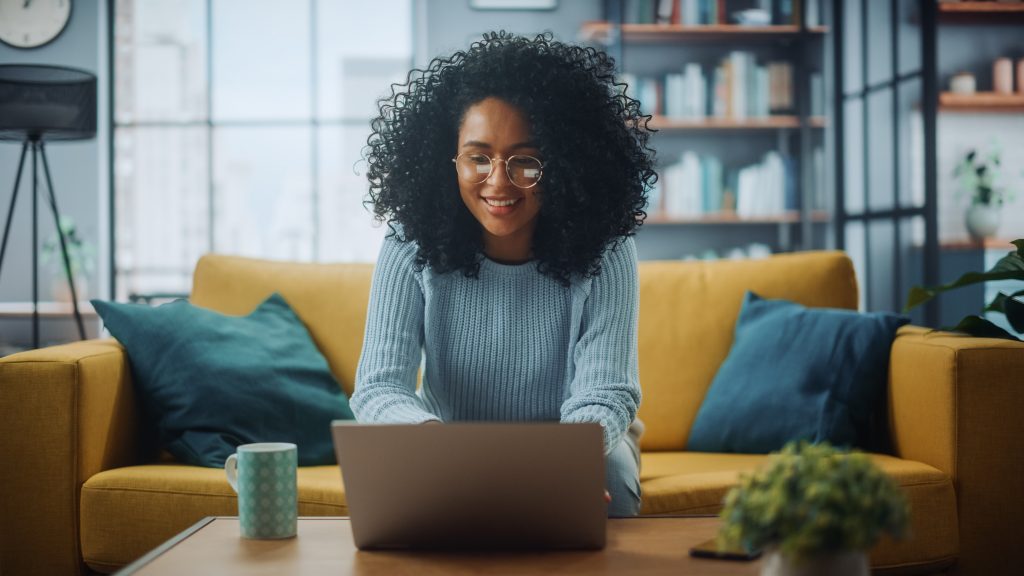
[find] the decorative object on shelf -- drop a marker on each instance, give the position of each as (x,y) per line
(39,104)
(1002,76)
(962,83)
(28,24)
(82,257)
(513,4)
(1020,76)
(1009,267)
(814,509)
(752,17)
(979,177)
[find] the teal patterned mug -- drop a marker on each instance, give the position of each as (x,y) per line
(263,475)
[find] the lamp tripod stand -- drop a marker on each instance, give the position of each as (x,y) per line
(35,143)
(44,103)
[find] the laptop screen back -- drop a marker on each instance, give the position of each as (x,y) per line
(473,485)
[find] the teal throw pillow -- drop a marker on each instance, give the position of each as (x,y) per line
(212,382)
(797,373)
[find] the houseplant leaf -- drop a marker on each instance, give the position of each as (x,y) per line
(1009,267)
(982,328)
(1014,310)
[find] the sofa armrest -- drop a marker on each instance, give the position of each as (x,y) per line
(68,413)
(957,403)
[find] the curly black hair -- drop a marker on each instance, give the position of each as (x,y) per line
(592,136)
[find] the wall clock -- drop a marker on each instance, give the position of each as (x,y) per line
(32,23)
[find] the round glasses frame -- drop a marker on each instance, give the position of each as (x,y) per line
(507,172)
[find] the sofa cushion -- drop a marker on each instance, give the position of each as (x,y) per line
(212,382)
(696,482)
(126,512)
(687,314)
(797,373)
(325,297)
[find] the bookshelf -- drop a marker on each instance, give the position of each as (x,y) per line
(981,102)
(950,8)
(667,123)
(740,117)
(601,32)
(726,218)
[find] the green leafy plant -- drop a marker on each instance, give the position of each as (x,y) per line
(813,499)
(80,252)
(1009,267)
(979,175)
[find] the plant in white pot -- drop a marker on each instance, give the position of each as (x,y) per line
(814,509)
(979,176)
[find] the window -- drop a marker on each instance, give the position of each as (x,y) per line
(239,127)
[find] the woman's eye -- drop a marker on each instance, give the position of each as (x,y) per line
(478,159)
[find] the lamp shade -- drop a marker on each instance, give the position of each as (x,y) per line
(47,103)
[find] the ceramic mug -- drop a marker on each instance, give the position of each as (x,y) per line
(263,475)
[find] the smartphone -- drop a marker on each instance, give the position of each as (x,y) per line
(710,549)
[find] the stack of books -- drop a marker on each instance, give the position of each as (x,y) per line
(738,88)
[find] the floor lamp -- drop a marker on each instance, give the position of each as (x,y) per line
(40,104)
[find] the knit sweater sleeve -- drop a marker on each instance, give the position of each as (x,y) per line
(605,388)
(385,388)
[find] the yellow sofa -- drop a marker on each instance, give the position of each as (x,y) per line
(79,486)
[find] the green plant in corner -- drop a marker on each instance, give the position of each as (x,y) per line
(1009,267)
(80,251)
(811,501)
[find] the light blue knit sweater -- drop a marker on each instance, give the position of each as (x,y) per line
(512,345)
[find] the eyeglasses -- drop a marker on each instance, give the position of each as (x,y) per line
(522,171)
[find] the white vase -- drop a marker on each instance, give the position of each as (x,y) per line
(834,564)
(982,221)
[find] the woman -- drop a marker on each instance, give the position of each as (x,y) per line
(512,176)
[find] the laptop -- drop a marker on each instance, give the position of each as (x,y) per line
(473,485)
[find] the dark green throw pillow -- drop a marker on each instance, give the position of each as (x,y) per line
(212,382)
(797,373)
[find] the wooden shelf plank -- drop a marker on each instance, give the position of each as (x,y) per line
(733,218)
(46,309)
(981,102)
(972,244)
(600,31)
(725,124)
(980,7)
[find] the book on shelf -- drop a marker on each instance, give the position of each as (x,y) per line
(738,87)
(817,94)
(710,12)
(699,185)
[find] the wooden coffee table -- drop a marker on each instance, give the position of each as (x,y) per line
(644,545)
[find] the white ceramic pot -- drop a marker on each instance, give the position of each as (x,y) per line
(982,221)
(837,564)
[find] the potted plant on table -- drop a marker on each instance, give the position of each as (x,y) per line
(814,509)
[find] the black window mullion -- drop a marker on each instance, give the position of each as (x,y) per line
(111,151)
(839,124)
(865,148)
(897,279)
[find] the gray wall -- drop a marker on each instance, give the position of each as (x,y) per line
(443,26)
(79,171)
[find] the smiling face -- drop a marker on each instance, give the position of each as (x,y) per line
(506,212)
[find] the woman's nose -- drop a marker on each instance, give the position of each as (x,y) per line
(497,164)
